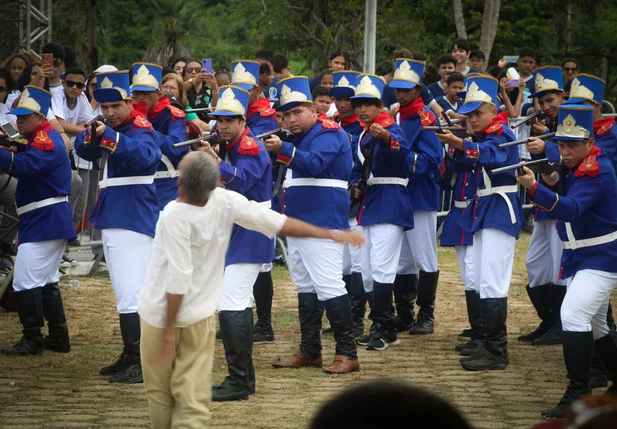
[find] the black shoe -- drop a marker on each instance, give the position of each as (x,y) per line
(487,361)
(551,338)
(377,344)
(363,340)
(120,364)
(541,300)
(463,346)
(131,374)
(577,354)
(427,291)
(260,337)
(30,309)
(465,333)
(327,330)
(392,340)
(235,331)
(422,327)
(53,310)
(405,293)
(68,261)
(338,312)
(474,348)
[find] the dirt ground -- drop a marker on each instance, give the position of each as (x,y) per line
(65,391)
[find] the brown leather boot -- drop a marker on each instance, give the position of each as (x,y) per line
(298,361)
(342,365)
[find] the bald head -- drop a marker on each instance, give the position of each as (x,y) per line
(198,176)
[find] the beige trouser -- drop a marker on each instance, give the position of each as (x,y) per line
(179,396)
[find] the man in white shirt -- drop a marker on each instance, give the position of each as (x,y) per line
(73,110)
(184,282)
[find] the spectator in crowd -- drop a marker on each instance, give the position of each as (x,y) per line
(174,85)
(322,99)
(179,64)
(325,79)
(569,68)
(445,64)
(362,407)
(477,60)
(339,60)
(461,50)
(16,64)
(222,76)
(527,63)
(202,89)
(282,69)
(55,82)
(450,101)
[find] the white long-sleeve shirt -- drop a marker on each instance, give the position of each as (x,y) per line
(189,254)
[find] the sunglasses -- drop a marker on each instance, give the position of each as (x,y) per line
(570,69)
(2,88)
(193,69)
(70,84)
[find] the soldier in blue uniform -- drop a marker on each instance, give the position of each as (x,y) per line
(319,167)
(45,225)
(417,272)
(385,209)
(165,119)
(495,217)
(587,225)
(543,259)
(342,91)
(127,208)
(461,180)
(260,118)
(246,170)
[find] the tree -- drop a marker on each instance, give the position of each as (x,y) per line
(459,18)
(490,19)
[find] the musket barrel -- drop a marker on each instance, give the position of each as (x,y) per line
(190,142)
(524,141)
(519,165)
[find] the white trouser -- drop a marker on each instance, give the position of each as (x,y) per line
(37,264)
(352,255)
(493,257)
(464,254)
(543,259)
(586,303)
(316,266)
(238,282)
(422,241)
(127,254)
(381,256)
(266,268)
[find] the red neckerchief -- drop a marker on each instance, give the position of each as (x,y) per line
(131,117)
(230,146)
(323,117)
(43,126)
(159,107)
(589,166)
(495,127)
(411,109)
(347,120)
(502,117)
(602,126)
(258,106)
(383,119)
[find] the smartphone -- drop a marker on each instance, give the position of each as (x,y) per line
(511,58)
(512,83)
(10,130)
(48,59)
(206,65)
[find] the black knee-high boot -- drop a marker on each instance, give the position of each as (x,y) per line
(263,291)
(30,309)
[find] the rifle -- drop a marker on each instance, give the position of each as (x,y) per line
(93,147)
(525,141)
(201,109)
(527,119)
(281,133)
(543,166)
(213,139)
(457,131)
(366,173)
(609,115)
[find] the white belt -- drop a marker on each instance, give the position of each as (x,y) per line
(40,204)
(171,171)
(387,181)
(329,183)
(268,204)
(462,204)
(123,181)
(573,243)
(502,191)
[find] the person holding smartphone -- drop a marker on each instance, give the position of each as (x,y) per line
(201,87)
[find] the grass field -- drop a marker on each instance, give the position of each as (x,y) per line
(65,391)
